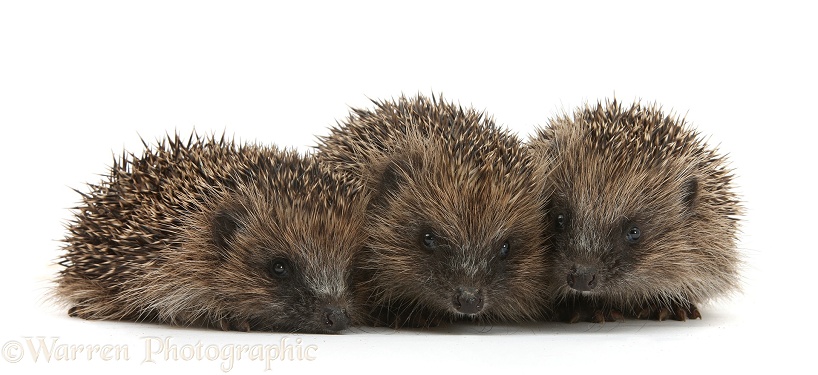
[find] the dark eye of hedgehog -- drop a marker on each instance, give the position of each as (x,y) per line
(504,250)
(279,268)
(633,234)
(561,222)
(429,241)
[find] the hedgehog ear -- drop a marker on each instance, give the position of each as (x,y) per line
(690,193)
(225,224)
(391,175)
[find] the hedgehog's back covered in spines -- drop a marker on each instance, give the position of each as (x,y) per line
(470,139)
(128,217)
(617,134)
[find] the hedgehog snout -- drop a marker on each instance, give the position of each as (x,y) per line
(582,278)
(334,318)
(468,300)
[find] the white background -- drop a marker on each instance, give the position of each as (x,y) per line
(81,81)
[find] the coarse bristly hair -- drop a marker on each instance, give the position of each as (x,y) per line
(643,215)
(215,234)
(453,228)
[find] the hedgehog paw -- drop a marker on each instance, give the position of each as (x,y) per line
(230,325)
(590,314)
(685,312)
(242,326)
(675,311)
(611,315)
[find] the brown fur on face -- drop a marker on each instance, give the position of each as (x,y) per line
(208,233)
(453,228)
(618,168)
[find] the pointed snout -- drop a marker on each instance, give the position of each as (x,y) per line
(582,278)
(335,318)
(468,300)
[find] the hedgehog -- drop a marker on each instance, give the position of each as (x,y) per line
(211,233)
(452,220)
(642,212)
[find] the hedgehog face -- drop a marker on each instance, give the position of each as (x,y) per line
(462,246)
(289,269)
(264,264)
(608,242)
(640,210)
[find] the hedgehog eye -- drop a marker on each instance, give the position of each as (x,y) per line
(429,241)
(560,222)
(279,269)
(504,250)
(633,234)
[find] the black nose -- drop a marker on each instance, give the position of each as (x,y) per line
(468,300)
(335,318)
(582,279)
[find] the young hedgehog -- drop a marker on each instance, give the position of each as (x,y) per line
(453,221)
(643,214)
(209,233)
